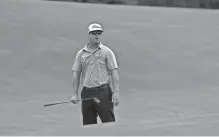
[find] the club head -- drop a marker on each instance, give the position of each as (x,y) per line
(96,100)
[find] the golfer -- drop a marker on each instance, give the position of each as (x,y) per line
(95,68)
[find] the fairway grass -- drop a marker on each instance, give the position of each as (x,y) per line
(168,66)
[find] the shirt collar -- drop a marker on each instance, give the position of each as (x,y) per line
(86,49)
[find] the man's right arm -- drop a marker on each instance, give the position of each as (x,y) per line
(75,82)
(76,77)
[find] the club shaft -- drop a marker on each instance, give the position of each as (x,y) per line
(57,103)
(85,99)
(65,102)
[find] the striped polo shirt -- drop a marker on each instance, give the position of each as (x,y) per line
(95,66)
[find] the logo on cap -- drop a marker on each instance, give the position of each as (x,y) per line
(95,26)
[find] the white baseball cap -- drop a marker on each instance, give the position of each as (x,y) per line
(94,27)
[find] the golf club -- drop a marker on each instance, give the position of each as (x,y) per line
(96,100)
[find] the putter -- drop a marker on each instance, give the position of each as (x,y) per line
(96,100)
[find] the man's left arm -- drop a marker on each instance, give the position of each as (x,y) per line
(115,84)
(113,68)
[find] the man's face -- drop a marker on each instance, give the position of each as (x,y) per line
(94,36)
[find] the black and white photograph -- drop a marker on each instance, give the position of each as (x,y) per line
(109,67)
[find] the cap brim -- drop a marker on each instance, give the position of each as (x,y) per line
(95,30)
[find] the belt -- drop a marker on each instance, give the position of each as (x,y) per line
(96,88)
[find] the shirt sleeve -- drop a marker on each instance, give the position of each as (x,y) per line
(77,63)
(111,60)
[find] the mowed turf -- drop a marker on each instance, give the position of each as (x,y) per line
(168,60)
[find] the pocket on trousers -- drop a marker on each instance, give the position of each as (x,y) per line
(83,93)
(107,92)
(110,93)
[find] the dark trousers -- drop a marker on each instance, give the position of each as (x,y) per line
(91,109)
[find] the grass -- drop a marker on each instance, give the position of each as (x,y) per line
(168,61)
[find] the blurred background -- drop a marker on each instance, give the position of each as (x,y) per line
(209,4)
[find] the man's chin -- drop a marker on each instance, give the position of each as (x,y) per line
(96,42)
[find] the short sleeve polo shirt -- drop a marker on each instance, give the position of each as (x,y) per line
(95,66)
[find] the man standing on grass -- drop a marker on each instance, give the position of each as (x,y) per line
(96,68)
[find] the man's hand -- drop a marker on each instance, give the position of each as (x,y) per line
(115,98)
(75,100)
